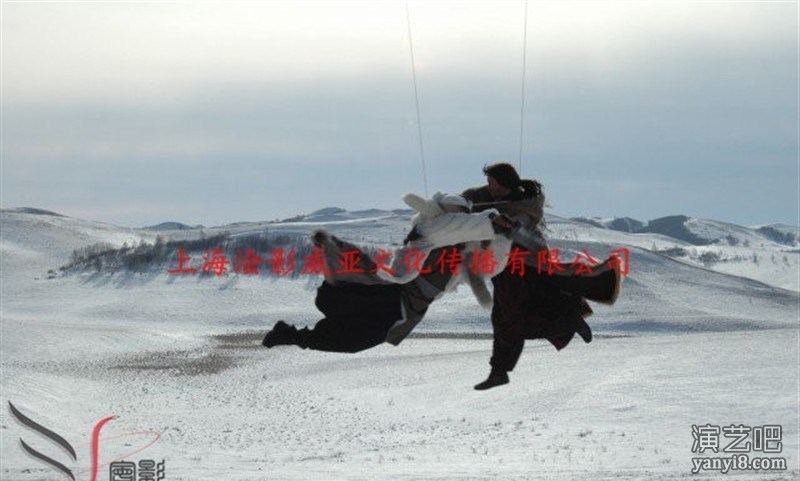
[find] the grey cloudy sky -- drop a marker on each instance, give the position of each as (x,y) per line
(137,113)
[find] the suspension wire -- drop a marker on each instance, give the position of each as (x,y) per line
(522,109)
(416,100)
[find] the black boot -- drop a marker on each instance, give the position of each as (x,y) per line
(496,378)
(281,334)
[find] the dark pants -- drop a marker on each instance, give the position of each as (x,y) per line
(530,307)
(357,316)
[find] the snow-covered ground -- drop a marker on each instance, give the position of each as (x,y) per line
(178,359)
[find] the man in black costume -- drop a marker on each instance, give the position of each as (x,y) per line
(533,305)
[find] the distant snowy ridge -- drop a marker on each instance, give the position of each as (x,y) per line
(338,214)
(34,211)
(700,232)
(172,226)
(751,252)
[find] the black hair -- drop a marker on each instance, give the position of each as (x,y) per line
(530,188)
(506,175)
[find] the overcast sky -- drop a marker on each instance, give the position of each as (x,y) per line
(138,113)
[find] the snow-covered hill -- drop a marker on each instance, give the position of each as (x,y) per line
(33,241)
(749,252)
(701,231)
(167,226)
(338,214)
(180,356)
(663,293)
(742,251)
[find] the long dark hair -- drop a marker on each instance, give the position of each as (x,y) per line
(506,175)
(527,189)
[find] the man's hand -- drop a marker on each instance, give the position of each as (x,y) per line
(502,224)
(412,236)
